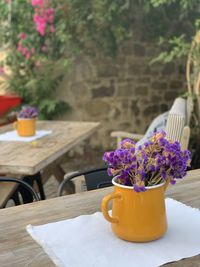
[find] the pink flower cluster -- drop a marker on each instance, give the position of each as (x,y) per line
(2,70)
(43,16)
(37,3)
(23,49)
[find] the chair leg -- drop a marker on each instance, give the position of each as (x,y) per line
(15,198)
(38,180)
(26,196)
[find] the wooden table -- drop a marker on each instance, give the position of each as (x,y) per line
(28,158)
(18,249)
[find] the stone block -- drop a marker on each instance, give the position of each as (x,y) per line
(134,69)
(107,70)
(151,51)
(171,95)
(97,108)
(125,125)
(79,88)
(159,85)
(137,122)
(146,70)
(126,48)
(176,84)
(103,91)
(134,108)
(152,109)
(163,107)
(155,98)
(126,90)
(139,50)
(168,69)
(141,90)
(144,79)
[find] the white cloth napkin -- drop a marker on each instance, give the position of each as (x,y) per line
(13,136)
(87,241)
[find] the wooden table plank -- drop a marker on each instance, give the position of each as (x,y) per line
(20,250)
(29,158)
(6,190)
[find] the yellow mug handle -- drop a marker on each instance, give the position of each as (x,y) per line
(104,206)
(15,125)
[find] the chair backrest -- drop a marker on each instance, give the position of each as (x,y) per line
(94,179)
(177,127)
(175,123)
(22,184)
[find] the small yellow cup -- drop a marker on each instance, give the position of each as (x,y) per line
(25,127)
(137,217)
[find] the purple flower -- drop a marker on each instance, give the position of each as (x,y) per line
(154,162)
(139,188)
(28,112)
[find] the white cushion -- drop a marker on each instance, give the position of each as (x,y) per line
(171,121)
(179,107)
(158,124)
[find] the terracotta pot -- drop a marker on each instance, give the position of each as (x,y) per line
(138,217)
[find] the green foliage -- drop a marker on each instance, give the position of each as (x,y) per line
(81,26)
(184,22)
(89,27)
(184,4)
(177,47)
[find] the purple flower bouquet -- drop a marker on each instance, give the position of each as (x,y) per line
(156,161)
(28,112)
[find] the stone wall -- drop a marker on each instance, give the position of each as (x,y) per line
(125,93)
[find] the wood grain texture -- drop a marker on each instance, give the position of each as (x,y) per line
(31,157)
(26,158)
(18,249)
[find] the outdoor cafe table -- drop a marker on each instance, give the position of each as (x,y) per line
(28,158)
(18,249)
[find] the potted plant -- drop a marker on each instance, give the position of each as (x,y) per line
(141,176)
(26,121)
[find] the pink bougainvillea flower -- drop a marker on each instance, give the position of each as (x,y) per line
(52,29)
(19,47)
(41,29)
(22,36)
(39,3)
(43,16)
(40,24)
(28,55)
(24,50)
(32,50)
(44,48)
(38,63)
(2,71)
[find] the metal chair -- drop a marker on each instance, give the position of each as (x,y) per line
(94,179)
(30,192)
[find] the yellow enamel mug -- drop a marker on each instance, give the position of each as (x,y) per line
(137,217)
(25,127)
